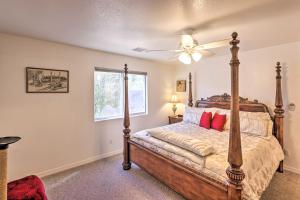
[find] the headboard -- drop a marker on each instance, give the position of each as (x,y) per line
(223,101)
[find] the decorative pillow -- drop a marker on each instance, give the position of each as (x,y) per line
(259,127)
(226,112)
(192,115)
(256,123)
(218,122)
(205,120)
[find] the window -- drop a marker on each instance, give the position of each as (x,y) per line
(109,93)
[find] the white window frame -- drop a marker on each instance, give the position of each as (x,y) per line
(122,72)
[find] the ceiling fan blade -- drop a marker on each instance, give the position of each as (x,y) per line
(206,53)
(139,49)
(213,45)
(174,57)
(159,50)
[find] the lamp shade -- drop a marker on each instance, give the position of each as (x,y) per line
(185,58)
(174,99)
(196,56)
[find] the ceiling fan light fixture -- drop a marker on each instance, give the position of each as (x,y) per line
(187,41)
(196,56)
(185,58)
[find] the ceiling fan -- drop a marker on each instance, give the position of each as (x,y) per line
(190,49)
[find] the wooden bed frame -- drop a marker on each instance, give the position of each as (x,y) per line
(194,184)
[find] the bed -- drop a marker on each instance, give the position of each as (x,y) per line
(166,153)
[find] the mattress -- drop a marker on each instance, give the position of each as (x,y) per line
(261,155)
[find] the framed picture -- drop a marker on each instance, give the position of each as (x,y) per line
(181,86)
(40,80)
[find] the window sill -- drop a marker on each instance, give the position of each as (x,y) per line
(119,117)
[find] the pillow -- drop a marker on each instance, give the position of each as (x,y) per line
(259,127)
(256,123)
(205,120)
(226,112)
(218,122)
(192,115)
(212,110)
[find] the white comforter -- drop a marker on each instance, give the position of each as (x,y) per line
(261,155)
(201,147)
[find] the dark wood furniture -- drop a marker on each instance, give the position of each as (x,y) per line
(175,119)
(194,184)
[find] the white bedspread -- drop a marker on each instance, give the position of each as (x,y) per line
(261,155)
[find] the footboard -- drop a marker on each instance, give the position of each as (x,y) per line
(186,181)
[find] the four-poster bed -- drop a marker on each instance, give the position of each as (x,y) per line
(196,184)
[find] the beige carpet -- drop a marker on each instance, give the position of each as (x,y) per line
(105,179)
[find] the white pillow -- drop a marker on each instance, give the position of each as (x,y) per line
(259,127)
(256,123)
(212,110)
(192,115)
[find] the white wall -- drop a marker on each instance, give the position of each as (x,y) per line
(58,130)
(257,81)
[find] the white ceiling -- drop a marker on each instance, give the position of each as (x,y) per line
(120,25)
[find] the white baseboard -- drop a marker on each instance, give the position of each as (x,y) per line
(291,169)
(79,163)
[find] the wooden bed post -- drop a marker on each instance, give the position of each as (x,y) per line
(279,112)
(126,163)
(190,104)
(234,171)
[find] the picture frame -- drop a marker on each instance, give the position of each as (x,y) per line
(181,86)
(43,80)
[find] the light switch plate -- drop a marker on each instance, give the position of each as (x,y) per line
(292,107)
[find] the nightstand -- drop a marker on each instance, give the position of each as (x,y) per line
(175,119)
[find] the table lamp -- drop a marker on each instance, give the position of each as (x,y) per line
(174,101)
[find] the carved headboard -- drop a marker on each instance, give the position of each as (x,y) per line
(223,101)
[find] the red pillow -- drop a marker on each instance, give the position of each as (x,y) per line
(205,120)
(218,122)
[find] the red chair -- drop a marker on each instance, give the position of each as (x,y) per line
(30,187)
